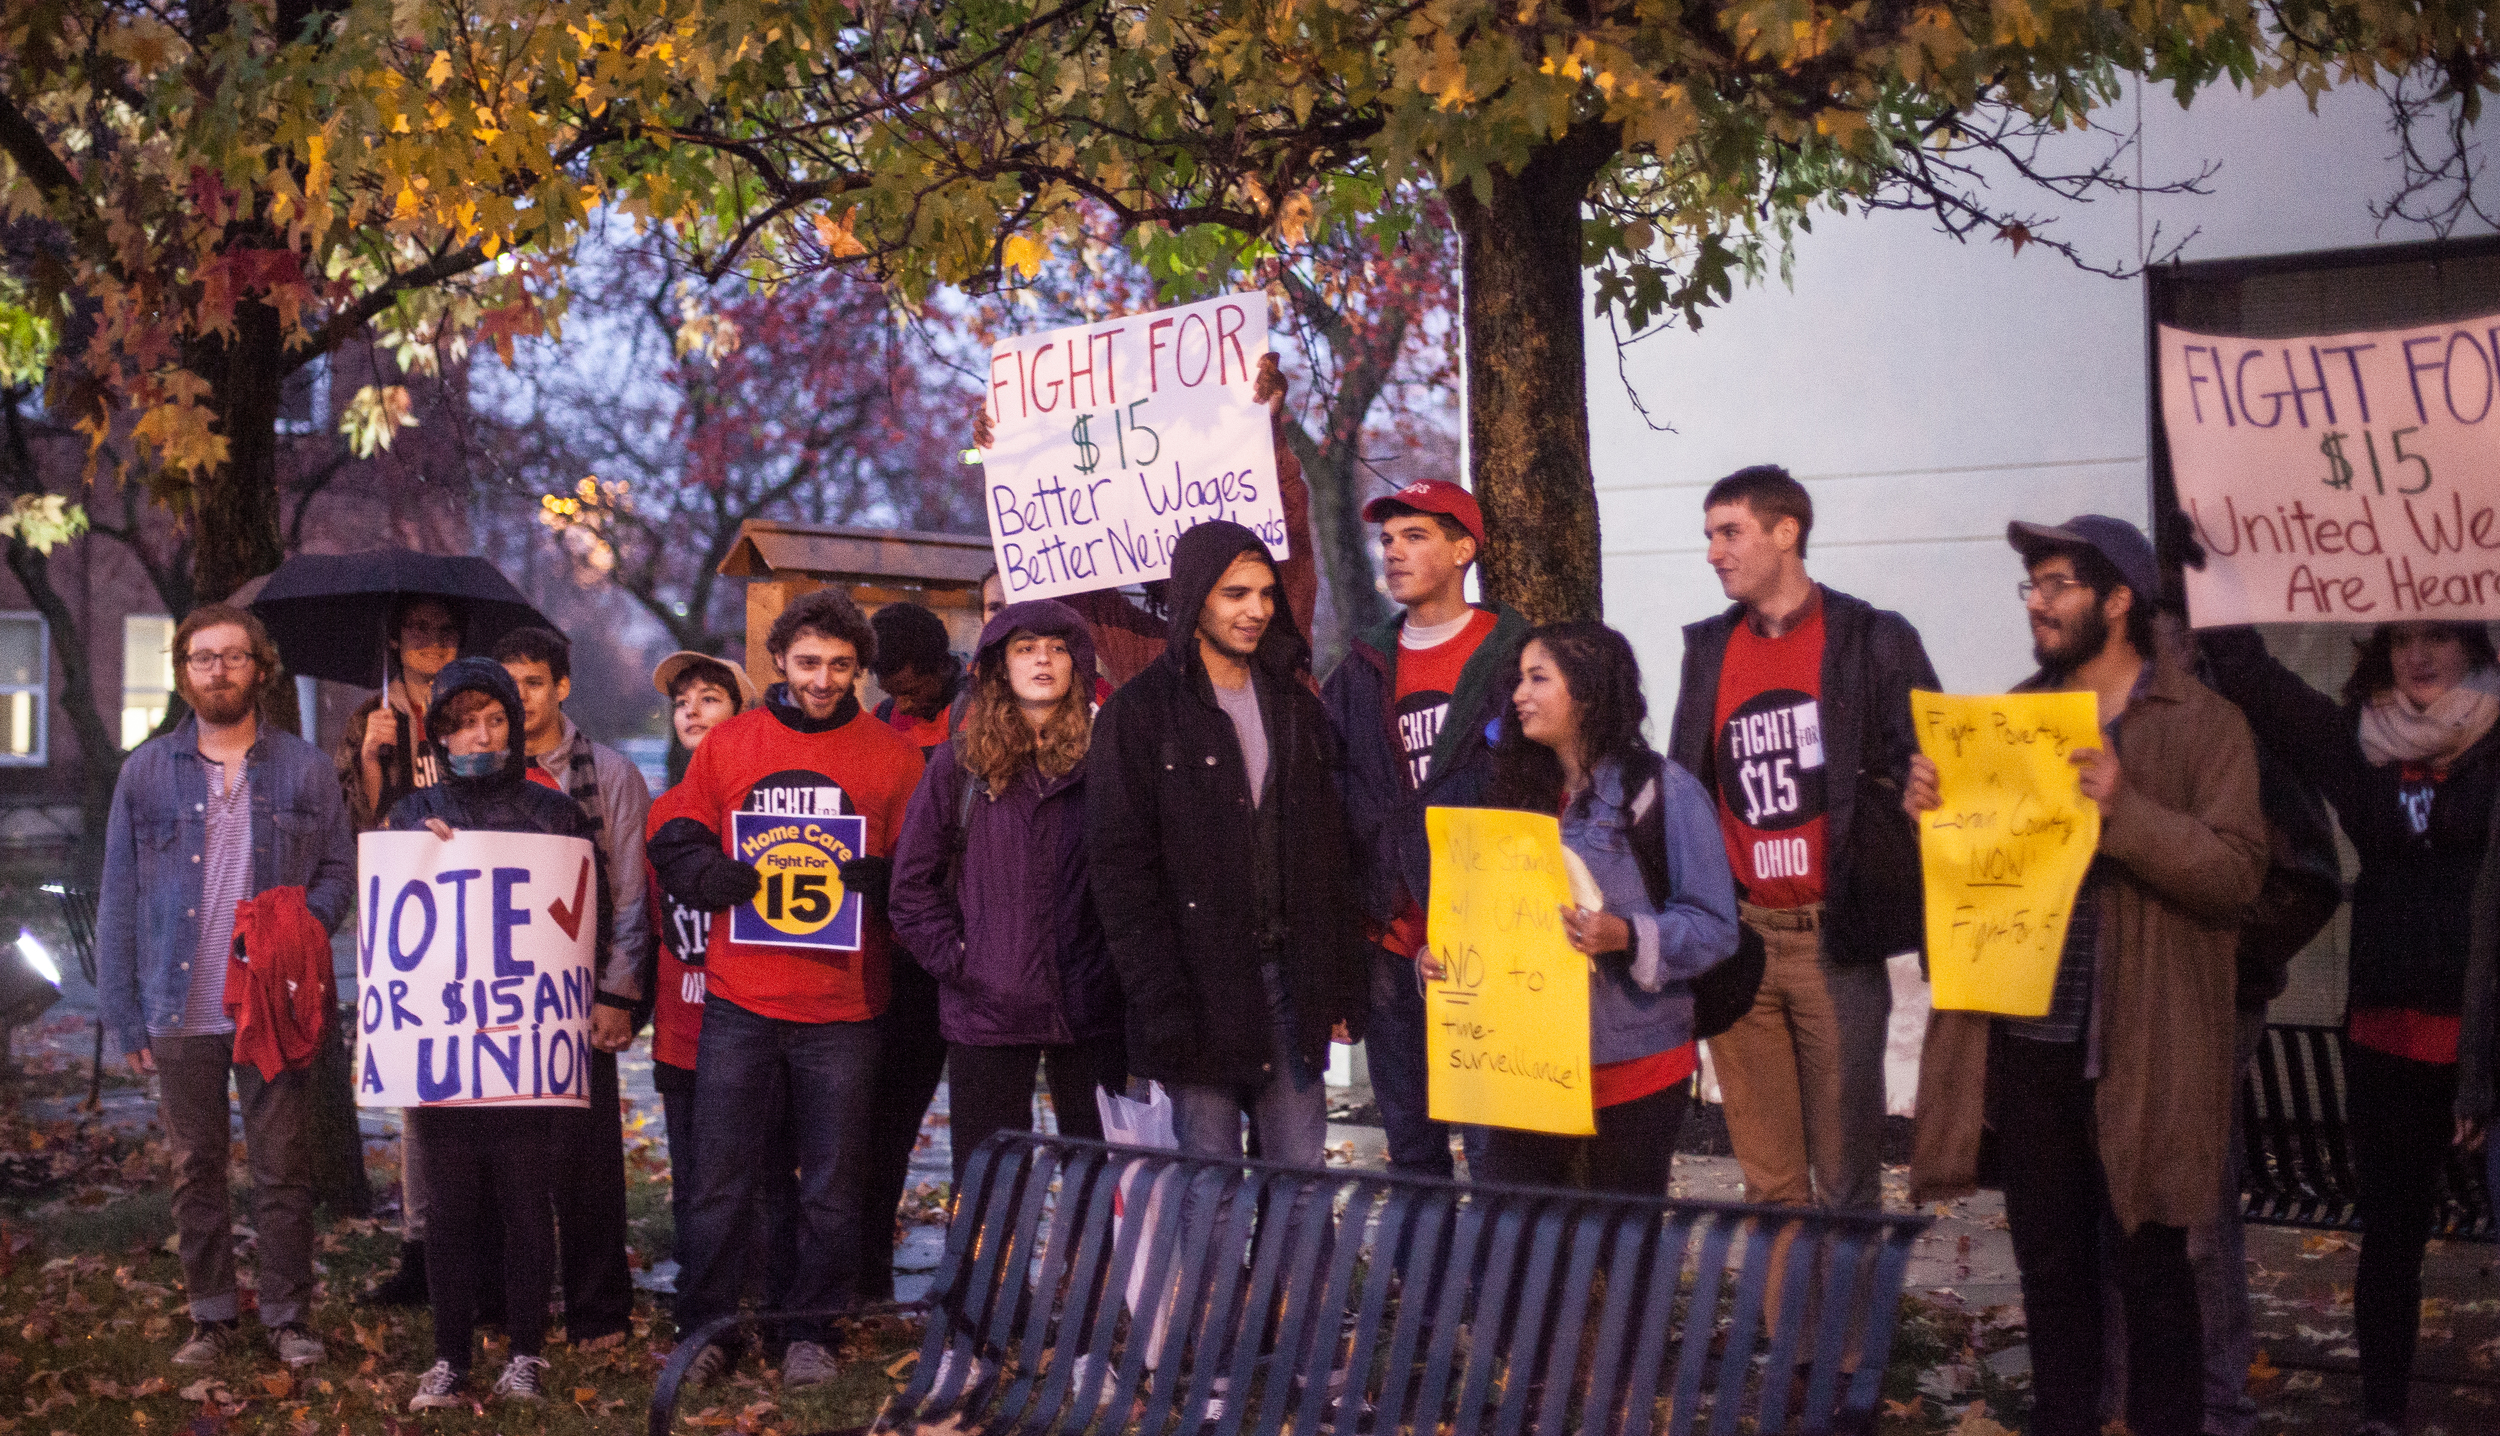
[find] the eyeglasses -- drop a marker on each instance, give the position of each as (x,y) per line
(2050,589)
(211,662)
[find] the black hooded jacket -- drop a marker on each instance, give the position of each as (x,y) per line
(504,801)
(1169,818)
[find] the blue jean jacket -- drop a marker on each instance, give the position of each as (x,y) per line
(1641,1001)
(147,924)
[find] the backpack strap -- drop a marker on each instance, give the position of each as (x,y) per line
(962,836)
(1648,834)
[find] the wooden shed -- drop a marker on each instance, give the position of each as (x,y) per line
(780,561)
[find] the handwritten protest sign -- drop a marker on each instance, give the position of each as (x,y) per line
(2005,853)
(802,902)
(2344,478)
(1507,1030)
(1111,440)
(473,961)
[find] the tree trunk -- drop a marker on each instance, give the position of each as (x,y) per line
(1343,539)
(1527,378)
(235,507)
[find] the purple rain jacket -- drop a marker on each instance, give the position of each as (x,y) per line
(1014,943)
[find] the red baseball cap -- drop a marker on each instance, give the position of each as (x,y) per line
(1433,496)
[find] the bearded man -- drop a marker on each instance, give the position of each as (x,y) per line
(222,819)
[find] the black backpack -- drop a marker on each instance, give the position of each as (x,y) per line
(1725,992)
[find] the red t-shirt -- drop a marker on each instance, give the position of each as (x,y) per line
(863,768)
(2403,1032)
(1426,679)
(922,733)
(1769,736)
(677,1005)
(1611,1084)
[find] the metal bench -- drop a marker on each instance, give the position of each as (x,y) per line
(2297,1167)
(1511,1309)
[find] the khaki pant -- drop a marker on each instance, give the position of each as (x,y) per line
(1803,1072)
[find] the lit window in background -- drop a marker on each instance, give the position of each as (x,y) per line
(147,675)
(24,670)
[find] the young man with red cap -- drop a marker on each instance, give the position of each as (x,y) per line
(1410,704)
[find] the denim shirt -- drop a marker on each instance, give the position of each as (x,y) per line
(147,906)
(1640,1002)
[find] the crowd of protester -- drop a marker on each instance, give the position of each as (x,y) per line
(1143,841)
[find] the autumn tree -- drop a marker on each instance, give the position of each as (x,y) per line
(1642,156)
(231,190)
(680,408)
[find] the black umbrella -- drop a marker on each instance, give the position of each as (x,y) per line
(327,612)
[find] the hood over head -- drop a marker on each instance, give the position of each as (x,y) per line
(486,676)
(1044,616)
(1198,561)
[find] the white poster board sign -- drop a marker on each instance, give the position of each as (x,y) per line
(2344,478)
(1111,440)
(473,963)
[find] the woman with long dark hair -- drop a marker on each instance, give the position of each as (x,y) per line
(2410,763)
(991,888)
(1572,744)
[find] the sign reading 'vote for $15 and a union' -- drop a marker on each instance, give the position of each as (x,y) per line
(1111,440)
(473,967)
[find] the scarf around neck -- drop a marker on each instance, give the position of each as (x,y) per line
(2396,730)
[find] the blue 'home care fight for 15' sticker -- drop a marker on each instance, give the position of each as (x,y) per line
(796,837)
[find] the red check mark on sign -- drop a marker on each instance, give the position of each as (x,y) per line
(570,918)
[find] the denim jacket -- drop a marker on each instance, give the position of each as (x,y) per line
(1640,1002)
(147,906)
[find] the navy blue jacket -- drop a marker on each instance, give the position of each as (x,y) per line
(1384,820)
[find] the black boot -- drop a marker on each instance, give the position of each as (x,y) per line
(406,1286)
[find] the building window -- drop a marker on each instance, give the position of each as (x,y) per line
(147,675)
(25,680)
(304,398)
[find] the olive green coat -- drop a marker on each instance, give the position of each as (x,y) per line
(2189,843)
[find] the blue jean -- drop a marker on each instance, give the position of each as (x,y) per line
(756,1077)
(1289,1112)
(1394,1041)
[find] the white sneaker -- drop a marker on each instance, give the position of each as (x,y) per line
(1094,1378)
(959,1375)
(524,1379)
(437,1389)
(806,1363)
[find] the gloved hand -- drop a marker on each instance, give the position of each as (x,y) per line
(870,878)
(726,883)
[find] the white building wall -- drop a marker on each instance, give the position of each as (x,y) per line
(1927,391)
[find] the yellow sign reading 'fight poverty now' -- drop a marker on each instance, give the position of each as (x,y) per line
(1507,1028)
(2006,851)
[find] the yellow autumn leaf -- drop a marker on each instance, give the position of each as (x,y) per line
(1024,253)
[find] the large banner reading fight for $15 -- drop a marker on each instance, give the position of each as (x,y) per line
(2340,478)
(1111,440)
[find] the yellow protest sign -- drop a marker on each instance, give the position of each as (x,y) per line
(1507,1029)
(2006,851)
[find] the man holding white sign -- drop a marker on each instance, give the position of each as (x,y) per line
(790,812)
(2111,1110)
(526,923)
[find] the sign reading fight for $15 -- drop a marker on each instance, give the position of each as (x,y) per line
(1111,440)
(2339,478)
(473,965)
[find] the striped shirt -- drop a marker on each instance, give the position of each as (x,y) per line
(225,880)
